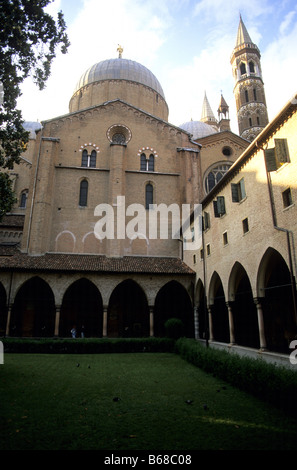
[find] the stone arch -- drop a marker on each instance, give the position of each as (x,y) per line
(3,310)
(82,307)
(219,310)
(243,307)
(275,289)
(173,301)
(128,311)
(33,313)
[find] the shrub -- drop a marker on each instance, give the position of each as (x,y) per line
(274,384)
(174,328)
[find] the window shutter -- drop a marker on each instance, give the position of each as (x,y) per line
(270,160)
(242,188)
(234,192)
(281,150)
(215,208)
(221,205)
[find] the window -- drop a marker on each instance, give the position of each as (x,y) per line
(201,254)
(219,206)
(242,68)
(208,249)
(246,95)
(252,67)
(245,225)
(255,94)
(225,238)
(206,221)
(118,138)
(238,191)
(23,199)
(287,198)
(89,160)
(147,164)
(149,192)
(214,175)
(83,193)
(194,259)
(277,156)
(250,122)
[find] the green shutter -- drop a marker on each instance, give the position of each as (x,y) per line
(221,205)
(234,192)
(215,208)
(281,150)
(270,160)
(242,188)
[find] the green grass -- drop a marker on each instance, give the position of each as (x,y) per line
(48,403)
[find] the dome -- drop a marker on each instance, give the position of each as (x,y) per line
(119,78)
(198,129)
(120,69)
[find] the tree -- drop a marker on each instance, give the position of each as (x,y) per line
(29,38)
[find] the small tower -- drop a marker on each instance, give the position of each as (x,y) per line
(249,87)
(207,115)
(223,115)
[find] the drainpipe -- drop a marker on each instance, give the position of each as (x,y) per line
(33,193)
(288,232)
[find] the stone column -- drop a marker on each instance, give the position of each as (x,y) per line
(104,329)
(57,320)
(196,323)
(8,319)
(231,323)
(260,324)
(151,320)
(211,338)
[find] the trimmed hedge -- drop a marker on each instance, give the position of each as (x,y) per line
(87,346)
(276,385)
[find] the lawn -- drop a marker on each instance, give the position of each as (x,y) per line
(140,401)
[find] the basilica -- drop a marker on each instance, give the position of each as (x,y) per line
(114,152)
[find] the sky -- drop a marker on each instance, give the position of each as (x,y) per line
(187,44)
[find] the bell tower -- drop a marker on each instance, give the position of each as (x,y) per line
(249,92)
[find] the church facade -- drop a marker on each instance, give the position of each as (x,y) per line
(78,250)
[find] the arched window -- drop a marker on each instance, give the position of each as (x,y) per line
(147,164)
(83,193)
(23,199)
(149,193)
(89,160)
(252,67)
(246,96)
(215,174)
(151,163)
(242,68)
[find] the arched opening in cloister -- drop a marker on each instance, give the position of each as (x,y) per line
(82,307)
(33,312)
(3,310)
(219,310)
(278,311)
(201,310)
(244,310)
(128,311)
(173,301)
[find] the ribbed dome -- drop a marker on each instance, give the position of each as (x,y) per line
(198,129)
(120,69)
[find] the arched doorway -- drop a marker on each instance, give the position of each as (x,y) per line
(33,312)
(219,310)
(82,307)
(243,308)
(202,311)
(128,312)
(278,311)
(3,310)
(173,301)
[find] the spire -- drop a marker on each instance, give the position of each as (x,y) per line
(243,36)
(223,114)
(207,114)
(223,107)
